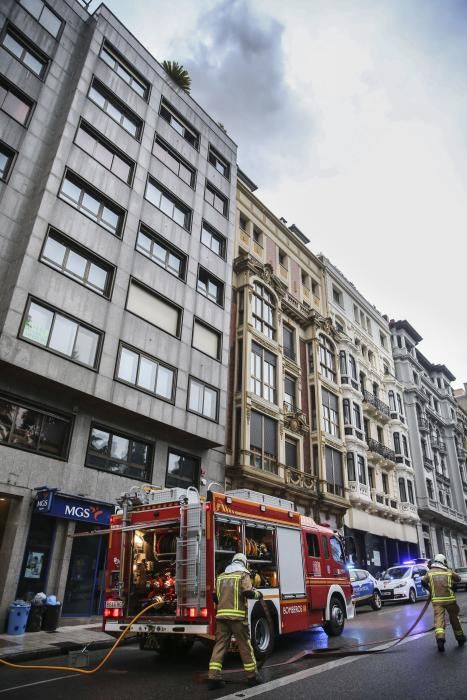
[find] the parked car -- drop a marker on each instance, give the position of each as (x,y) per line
(365,588)
(402,583)
(462,571)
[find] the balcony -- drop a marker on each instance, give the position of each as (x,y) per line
(296,478)
(378,503)
(379,406)
(380,449)
(438,444)
(429,504)
(423,424)
(258,470)
(427,462)
(408,510)
(359,493)
(289,354)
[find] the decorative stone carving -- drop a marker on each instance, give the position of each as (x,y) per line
(295,421)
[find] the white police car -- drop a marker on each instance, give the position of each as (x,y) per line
(403,582)
(364,588)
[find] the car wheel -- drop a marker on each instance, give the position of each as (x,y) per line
(335,625)
(376,603)
(412,596)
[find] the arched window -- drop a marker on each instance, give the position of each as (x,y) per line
(327,358)
(264,311)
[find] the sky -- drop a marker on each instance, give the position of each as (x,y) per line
(351,117)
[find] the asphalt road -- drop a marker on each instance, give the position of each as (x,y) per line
(412,670)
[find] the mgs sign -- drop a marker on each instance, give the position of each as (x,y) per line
(77,512)
(63,506)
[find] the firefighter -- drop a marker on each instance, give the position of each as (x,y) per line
(438,580)
(233,588)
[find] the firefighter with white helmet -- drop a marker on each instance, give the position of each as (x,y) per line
(233,588)
(438,581)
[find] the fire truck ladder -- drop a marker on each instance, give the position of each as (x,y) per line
(190,563)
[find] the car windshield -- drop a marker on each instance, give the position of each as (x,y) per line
(396,572)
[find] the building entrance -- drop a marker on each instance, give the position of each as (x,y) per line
(85,586)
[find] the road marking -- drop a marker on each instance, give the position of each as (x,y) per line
(307,673)
(29,685)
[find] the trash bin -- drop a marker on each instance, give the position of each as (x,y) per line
(18,617)
(35,617)
(51,617)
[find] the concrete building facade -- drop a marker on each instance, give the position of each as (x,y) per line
(381,525)
(118,205)
(434,432)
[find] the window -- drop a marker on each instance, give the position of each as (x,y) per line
(330,412)
(397,443)
(402,490)
(315,290)
(145,372)
(355,313)
(337,296)
(291,454)
(399,404)
(429,488)
(371,477)
(64,335)
(44,15)
(115,108)
(288,341)
(102,150)
(155,309)
(7,156)
(243,222)
(312,544)
(382,340)
(357,419)
(263,442)
(325,546)
(353,367)
(334,476)
(207,340)
(182,470)
(168,203)
(289,392)
(219,163)
(282,259)
(305,279)
(212,239)
(118,454)
(177,122)
(392,401)
(210,287)
(263,310)
(346,410)
(123,69)
(385,481)
(78,263)
(351,466)
(361,469)
(28,428)
(410,492)
(327,358)
(405,446)
(161,252)
(174,161)
(368,326)
(203,399)
(27,54)
(379,432)
(14,103)
(343,363)
(216,199)
(263,373)
(336,550)
(92,203)
(257,236)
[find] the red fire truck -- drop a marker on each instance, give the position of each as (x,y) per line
(168,546)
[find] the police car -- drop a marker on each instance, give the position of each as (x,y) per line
(364,588)
(403,582)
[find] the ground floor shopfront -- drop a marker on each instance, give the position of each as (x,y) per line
(437,537)
(41,553)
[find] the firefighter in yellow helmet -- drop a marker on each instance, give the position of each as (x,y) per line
(438,581)
(233,588)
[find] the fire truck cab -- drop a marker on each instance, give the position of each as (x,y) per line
(167,546)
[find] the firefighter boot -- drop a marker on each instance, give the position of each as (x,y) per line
(440,643)
(461,641)
(257,679)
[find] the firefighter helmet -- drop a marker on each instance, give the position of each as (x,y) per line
(240,558)
(440,559)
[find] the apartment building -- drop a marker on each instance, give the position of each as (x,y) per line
(435,444)
(284,434)
(381,524)
(118,208)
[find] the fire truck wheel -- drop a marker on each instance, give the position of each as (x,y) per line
(335,625)
(262,635)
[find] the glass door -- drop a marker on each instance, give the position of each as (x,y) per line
(84,589)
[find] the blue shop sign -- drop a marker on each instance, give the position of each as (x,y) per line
(59,505)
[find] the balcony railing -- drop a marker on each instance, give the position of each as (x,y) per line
(379,448)
(307,482)
(290,476)
(374,401)
(438,444)
(357,490)
(289,353)
(428,462)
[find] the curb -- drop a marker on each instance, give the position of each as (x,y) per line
(43,653)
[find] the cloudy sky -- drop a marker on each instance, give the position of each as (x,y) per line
(351,116)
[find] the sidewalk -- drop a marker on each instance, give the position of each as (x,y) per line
(71,637)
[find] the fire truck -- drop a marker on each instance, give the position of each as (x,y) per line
(166,548)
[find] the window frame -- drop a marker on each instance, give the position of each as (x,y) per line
(111,98)
(205,385)
(266,458)
(104,201)
(44,4)
(289,352)
(28,46)
(209,187)
(175,201)
(327,358)
(101,334)
(153,292)
(9,87)
(145,230)
(125,65)
(263,380)
(43,410)
(214,233)
(290,378)
(218,157)
(269,302)
(162,143)
(331,417)
(215,280)
(177,117)
(337,296)
(291,441)
(219,334)
(180,453)
(91,257)
(10,154)
(109,146)
(123,345)
(126,436)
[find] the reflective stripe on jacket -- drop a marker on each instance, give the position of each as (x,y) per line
(439,581)
(230,590)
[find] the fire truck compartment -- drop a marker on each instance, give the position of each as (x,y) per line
(289,545)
